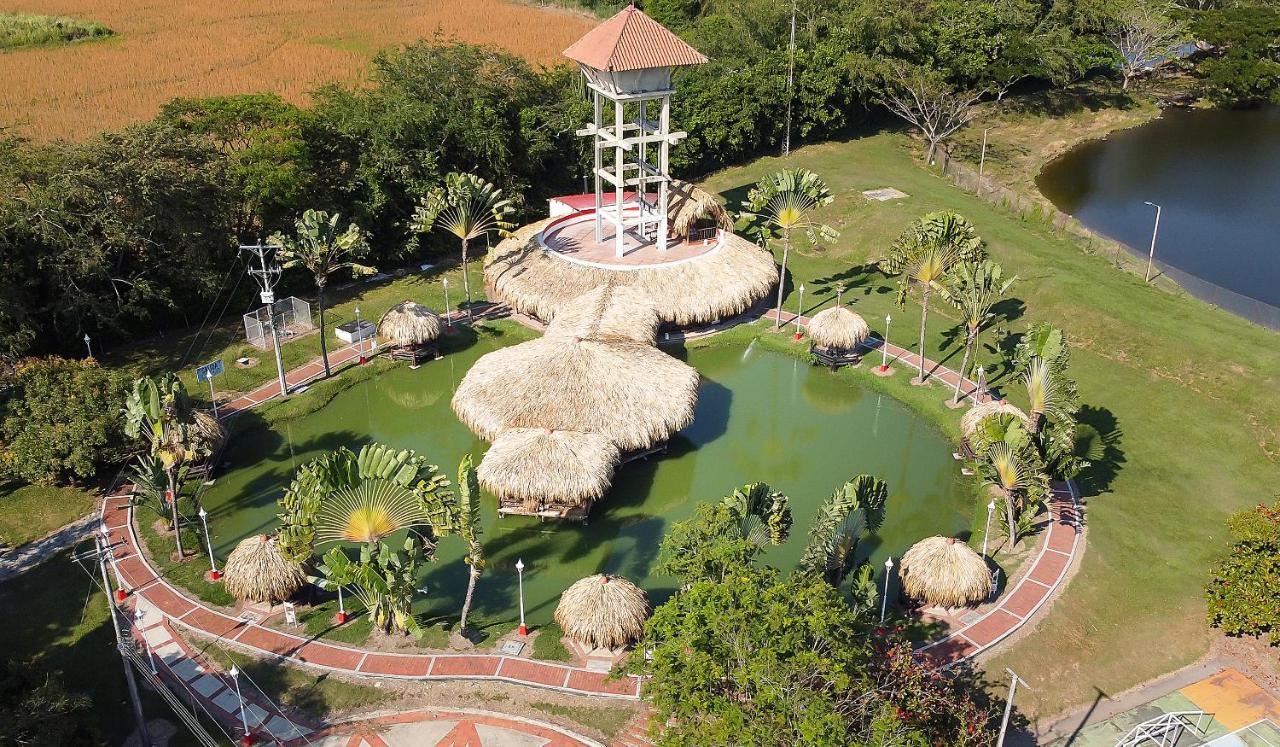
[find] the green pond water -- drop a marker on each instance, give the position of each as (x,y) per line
(760,416)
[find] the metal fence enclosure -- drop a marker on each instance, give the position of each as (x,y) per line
(292,317)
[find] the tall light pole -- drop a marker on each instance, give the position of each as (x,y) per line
(981,386)
(104,550)
(1151,256)
(884,345)
(247,739)
(524,630)
(884,598)
(87,346)
(359,335)
(799,311)
(267,277)
(1008,708)
(214,573)
(982,161)
(991,509)
(448,315)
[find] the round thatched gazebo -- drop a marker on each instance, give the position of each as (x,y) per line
(688,204)
(607,313)
(603,611)
(633,394)
(256,572)
(974,416)
(836,335)
(544,472)
(944,572)
(411,330)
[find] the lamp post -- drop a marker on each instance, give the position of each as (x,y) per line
(214,573)
(1008,708)
(1151,256)
(991,509)
(884,598)
(982,161)
(448,315)
(247,739)
(884,345)
(981,386)
(360,336)
(342,610)
(121,592)
(137,621)
(87,346)
(799,310)
(524,630)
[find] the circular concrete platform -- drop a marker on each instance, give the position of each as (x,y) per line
(573,238)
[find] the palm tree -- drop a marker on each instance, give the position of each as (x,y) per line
(973,289)
(1017,481)
(855,508)
(1046,395)
(761,514)
(469,530)
(784,203)
(468,207)
(322,248)
(926,253)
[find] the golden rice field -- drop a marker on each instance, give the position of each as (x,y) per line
(168,48)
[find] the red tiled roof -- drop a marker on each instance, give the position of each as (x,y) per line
(632,41)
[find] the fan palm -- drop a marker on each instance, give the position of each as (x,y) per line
(469,530)
(762,515)
(320,246)
(973,289)
(855,508)
(1046,394)
(784,203)
(926,253)
(468,207)
(1018,481)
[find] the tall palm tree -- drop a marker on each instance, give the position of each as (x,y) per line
(925,254)
(1046,395)
(855,508)
(973,289)
(784,203)
(321,247)
(1014,478)
(468,207)
(469,530)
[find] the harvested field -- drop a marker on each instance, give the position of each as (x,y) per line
(192,48)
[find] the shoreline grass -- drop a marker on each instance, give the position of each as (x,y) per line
(24,30)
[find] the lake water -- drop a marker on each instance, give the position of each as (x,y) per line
(1217,175)
(760,416)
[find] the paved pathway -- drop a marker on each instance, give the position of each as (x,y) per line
(25,557)
(448,728)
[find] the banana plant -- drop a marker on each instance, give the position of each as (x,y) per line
(762,515)
(1021,483)
(469,530)
(384,580)
(854,509)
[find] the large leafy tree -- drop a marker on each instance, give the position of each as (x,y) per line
(726,535)
(1243,596)
(469,208)
(784,204)
(973,289)
(926,254)
(322,247)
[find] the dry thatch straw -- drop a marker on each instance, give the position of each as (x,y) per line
(608,313)
(943,572)
(838,328)
(256,572)
(976,414)
(539,467)
(208,429)
(603,611)
(631,393)
(688,203)
(408,323)
(716,285)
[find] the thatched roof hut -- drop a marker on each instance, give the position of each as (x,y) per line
(943,572)
(838,328)
(541,469)
(976,414)
(688,203)
(719,284)
(256,572)
(603,611)
(632,394)
(408,323)
(208,429)
(610,313)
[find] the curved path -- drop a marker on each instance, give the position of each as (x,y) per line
(1060,545)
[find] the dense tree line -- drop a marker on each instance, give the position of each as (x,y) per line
(137,230)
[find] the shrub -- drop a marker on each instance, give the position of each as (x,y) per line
(62,420)
(1244,594)
(37,709)
(27,30)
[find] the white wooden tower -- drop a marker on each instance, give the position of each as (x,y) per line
(628,62)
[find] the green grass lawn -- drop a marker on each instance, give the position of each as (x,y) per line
(1186,392)
(29,512)
(19,30)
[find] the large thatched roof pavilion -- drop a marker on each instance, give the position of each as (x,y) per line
(608,313)
(944,572)
(411,330)
(603,611)
(256,572)
(547,472)
(632,394)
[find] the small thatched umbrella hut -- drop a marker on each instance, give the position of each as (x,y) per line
(603,611)
(544,472)
(411,330)
(687,204)
(836,334)
(943,572)
(256,572)
(974,416)
(633,394)
(608,313)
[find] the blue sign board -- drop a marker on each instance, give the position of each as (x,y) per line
(209,370)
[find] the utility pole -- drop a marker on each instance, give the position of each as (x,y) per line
(1008,708)
(791,82)
(1151,257)
(103,550)
(267,277)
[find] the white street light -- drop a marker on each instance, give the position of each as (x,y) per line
(342,610)
(799,311)
(982,162)
(991,509)
(359,335)
(884,345)
(214,573)
(137,619)
(981,386)
(884,598)
(86,344)
(448,315)
(1008,708)
(1151,257)
(524,630)
(244,720)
